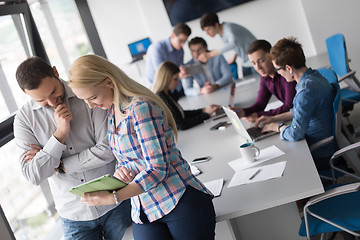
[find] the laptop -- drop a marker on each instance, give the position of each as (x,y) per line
(252,134)
(138,49)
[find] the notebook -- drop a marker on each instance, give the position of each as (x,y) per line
(251,134)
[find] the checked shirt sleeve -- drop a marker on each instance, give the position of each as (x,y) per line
(149,127)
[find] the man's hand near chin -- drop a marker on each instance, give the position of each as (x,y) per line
(62,116)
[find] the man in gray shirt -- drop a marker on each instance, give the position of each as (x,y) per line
(65,142)
(235,37)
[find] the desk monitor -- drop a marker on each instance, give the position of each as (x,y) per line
(138,49)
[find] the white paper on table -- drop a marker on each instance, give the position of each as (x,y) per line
(265,155)
(215,186)
(244,82)
(273,105)
(270,171)
(194,170)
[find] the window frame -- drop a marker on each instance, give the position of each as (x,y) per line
(12,7)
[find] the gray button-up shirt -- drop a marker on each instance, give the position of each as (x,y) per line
(86,153)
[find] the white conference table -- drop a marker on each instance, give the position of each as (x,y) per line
(262,210)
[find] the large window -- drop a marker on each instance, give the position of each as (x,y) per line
(54,30)
(25,205)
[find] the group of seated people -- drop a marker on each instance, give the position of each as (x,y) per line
(76,131)
(305,94)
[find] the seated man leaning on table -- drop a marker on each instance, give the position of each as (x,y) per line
(271,83)
(312,113)
(218,69)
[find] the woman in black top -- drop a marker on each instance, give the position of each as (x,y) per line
(166,80)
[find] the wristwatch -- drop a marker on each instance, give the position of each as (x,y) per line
(280,125)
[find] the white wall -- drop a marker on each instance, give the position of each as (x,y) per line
(120,22)
(328,17)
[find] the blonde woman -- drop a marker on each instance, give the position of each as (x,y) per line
(168,202)
(166,80)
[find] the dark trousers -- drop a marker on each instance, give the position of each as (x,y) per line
(192,219)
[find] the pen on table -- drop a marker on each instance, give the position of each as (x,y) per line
(255,174)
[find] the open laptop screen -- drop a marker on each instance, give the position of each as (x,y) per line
(138,49)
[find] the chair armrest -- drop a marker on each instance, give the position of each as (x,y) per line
(339,153)
(343,150)
(348,100)
(321,143)
(348,188)
(349,74)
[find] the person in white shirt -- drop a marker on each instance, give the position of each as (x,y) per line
(65,142)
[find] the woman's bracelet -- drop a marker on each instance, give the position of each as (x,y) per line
(116,197)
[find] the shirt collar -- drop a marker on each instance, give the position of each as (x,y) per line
(169,47)
(68,94)
(276,77)
(308,72)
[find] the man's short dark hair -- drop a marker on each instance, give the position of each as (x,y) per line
(182,28)
(257,45)
(31,71)
(209,20)
(198,40)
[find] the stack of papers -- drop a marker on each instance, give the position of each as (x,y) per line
(246,172)
(246,176)
(215,186)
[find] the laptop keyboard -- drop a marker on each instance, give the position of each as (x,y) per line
(254,132)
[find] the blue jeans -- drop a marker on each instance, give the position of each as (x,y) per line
(193,218)
(110,226)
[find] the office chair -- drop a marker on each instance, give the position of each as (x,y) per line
(335,210)
(351,157)
(339,62)
(330,75)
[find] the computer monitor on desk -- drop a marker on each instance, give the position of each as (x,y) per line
(138,49)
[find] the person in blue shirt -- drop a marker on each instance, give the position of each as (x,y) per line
(312,112)
(219,69)
(235,37)
(169,49)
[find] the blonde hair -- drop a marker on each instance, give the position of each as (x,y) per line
(163,76)
(92,70)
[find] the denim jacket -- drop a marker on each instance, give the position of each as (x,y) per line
(312,113)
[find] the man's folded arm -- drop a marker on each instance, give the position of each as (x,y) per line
(44,163)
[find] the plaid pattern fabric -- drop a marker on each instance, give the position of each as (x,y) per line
(145,144)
